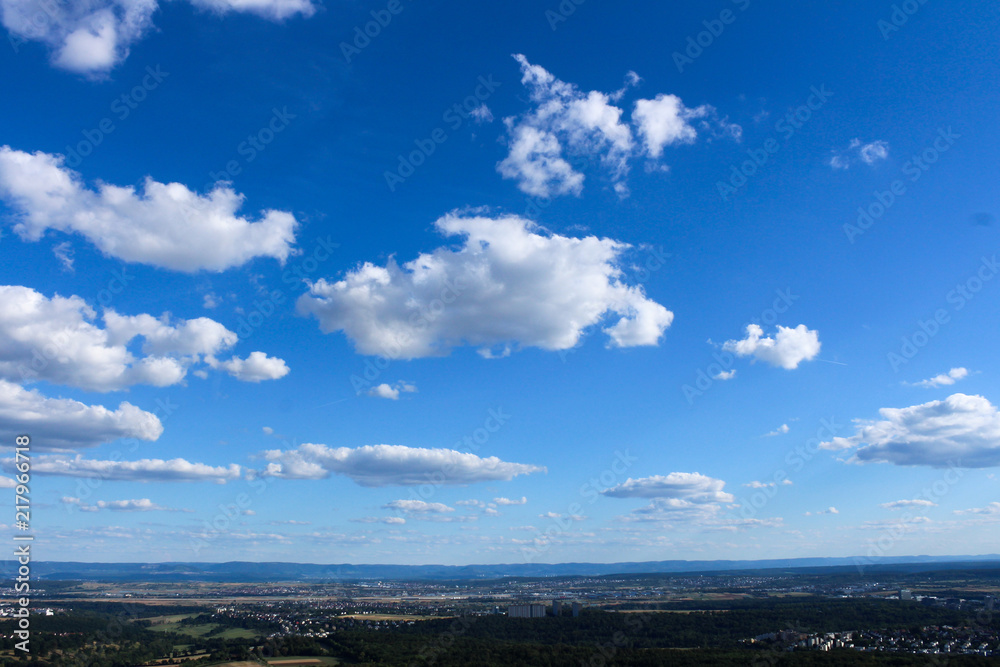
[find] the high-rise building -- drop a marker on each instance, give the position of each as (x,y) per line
(557,607)
(576,609)
(527,611)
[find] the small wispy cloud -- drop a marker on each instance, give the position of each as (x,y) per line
(767,485)
(905,504)
(136,505)
(392,391)
(992,509)
(869,153)
(942,380)
(64,253)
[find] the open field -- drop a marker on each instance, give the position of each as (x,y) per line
(170,618)
(392,617)
(203,630)
(174,662)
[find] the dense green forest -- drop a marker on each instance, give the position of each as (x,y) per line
(107,636)
(712,629)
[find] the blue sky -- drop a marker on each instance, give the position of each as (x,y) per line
(501,284)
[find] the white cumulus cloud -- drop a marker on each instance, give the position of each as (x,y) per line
(276,10)
(62,423)
(509,284)
(391,465)
(418,507)
(689,486)
(663,121)
(164,225)
(566,124)
(144,470)
(685,496)
(55,339)
(537,162)
(961,431)
(93,36)
(508,501)
(391,391)
(781,430)
(787,349)
(258,366)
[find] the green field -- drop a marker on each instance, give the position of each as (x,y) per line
(203,630)
(171,618)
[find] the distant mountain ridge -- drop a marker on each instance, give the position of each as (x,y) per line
(241,571)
